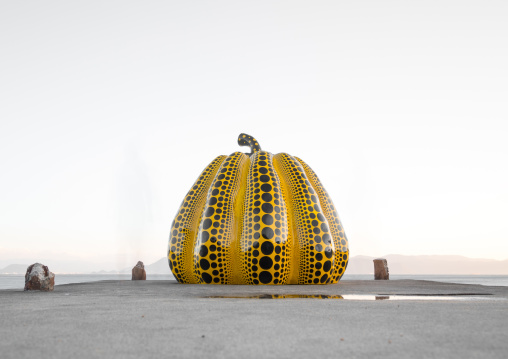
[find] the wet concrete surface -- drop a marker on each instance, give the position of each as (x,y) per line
(133,319)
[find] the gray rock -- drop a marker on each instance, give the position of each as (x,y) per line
(38,277)
(138,272)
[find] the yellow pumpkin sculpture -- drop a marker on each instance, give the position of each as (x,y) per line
(257,219)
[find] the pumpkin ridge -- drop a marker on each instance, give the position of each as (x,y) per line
(239,208)
(185,225)
(315,255)
(341,256)
(213,250)
(292,238)
(264,246)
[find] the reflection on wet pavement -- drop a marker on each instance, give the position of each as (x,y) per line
(426,297)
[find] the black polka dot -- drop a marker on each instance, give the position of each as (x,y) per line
(328,253)
(267,208)
(327,266)
(267,248)
(324,278)
(267,233)
(264,178)
(203,251)
(324,227)
(204,237)
(319,247)
(206,277)
(209,212)
(267,219)
(204,264)
(265,277)
(266,187)
(207,223)
(266,262)
(267,197)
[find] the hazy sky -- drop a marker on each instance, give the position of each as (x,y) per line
(110,110)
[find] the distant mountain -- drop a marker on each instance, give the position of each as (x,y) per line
(159,267)
(14,269)
(430,264)
(106,272)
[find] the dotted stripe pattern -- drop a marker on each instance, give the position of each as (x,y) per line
(265,250)
(214,246)
(185,225)
(337,230)
(313,239)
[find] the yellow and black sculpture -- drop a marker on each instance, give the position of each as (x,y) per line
(257,218)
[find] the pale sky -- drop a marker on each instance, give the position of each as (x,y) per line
(110,110)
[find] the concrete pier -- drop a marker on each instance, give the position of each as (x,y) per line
(145,319)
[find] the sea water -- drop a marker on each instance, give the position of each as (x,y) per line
(8,281)
(490,280)
(17,281)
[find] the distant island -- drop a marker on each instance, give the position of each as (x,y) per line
(397,263)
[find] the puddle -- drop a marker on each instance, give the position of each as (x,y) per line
(441,297)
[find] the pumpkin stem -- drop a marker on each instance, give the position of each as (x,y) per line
(247,140)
